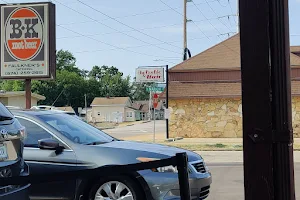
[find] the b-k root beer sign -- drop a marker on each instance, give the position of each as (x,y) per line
(27,41)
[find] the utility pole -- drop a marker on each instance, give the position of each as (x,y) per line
(266,98)
(184,27)
(85,105)
(186,51)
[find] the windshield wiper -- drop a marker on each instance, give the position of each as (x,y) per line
(95,143)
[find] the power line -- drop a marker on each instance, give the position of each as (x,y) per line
(133,47)
(116,47)
(213,12)
(139,46)
(214,28)
(199,27)
(221,3)
(232,11)
(148,28)
(127,16)
(123,23)
(114,28)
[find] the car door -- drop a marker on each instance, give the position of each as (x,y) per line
(43,161)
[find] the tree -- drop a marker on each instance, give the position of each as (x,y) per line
(68,89)
(72,84)
(65,60)
(12,85)
(98,72)
(139,91)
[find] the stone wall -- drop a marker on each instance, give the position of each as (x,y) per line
(214,118)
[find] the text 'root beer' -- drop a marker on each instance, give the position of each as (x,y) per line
(24,34)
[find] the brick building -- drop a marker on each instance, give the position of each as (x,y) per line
(205,92)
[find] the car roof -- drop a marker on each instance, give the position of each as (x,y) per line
(31,112)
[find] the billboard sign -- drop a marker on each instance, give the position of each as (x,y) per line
(27,41)
(151,74)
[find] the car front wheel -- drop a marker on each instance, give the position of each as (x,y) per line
(119,188)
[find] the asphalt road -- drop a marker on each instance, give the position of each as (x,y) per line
(138,129)
(228,183)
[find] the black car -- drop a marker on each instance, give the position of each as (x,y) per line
(12,163)
(57,142)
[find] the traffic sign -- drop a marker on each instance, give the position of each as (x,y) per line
(154,89)
(155,100)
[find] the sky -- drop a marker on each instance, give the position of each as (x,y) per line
(132,33)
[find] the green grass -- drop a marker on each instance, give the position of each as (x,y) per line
(213,147)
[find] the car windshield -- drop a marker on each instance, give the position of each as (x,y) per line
(75,129)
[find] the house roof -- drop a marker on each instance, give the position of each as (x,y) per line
(295,49)
(223,56)
(110,101)
(215,90)
(21,93)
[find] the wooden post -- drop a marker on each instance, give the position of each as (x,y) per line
(28,93)
(267,131)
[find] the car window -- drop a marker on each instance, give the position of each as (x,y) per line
(75,129)
(34,133)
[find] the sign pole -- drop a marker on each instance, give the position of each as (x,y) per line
(167,100)
(154,125)
(28,93)
(155,103)
(150,106)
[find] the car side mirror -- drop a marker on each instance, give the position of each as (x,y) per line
(50,144)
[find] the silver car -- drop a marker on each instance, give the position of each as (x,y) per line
(57,142)
(12,163)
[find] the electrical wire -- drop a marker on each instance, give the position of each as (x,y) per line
(221,3)
(117,31)
(133,15)
(112,18)
(116,47)
(149,28)
(133,47)
(232,12)
(213,12)
(200,28)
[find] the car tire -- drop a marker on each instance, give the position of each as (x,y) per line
(133,187)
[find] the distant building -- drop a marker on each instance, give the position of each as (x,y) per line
(113,109)
(17,99)
(143,107)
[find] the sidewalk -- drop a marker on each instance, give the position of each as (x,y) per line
(230,156)
(160,137)
(112,125)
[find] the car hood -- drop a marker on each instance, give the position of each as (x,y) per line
(162,151)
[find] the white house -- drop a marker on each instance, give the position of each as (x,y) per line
(18,99)
(113,109)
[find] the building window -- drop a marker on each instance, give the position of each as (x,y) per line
(99,113)
(129,114)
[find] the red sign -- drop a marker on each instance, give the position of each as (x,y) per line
(155,100)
